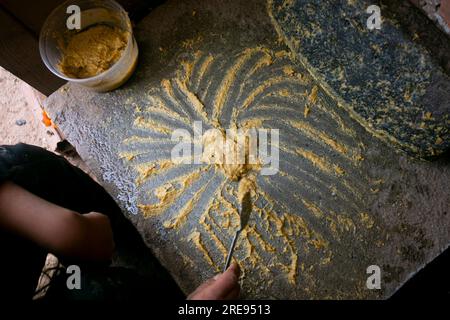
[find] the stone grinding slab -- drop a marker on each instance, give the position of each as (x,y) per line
(383,77)
(341,201)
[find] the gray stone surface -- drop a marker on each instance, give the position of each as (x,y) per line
(384,77)
(342,200)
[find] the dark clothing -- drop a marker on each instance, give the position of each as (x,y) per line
(54,179)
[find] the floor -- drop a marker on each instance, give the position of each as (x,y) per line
(22,115)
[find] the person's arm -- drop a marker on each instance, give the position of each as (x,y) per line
(59,230)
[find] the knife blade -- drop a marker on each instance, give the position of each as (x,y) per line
(244,216)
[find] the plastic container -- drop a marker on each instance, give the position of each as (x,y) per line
(55,34)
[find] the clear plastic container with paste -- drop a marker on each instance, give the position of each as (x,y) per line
(55,36)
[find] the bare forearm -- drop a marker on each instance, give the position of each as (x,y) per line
(55,228)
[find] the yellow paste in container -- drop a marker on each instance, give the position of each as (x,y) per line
(93,51)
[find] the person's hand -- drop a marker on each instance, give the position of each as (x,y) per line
(98,230)
(223,286)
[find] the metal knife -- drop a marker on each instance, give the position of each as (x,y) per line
(244,215)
